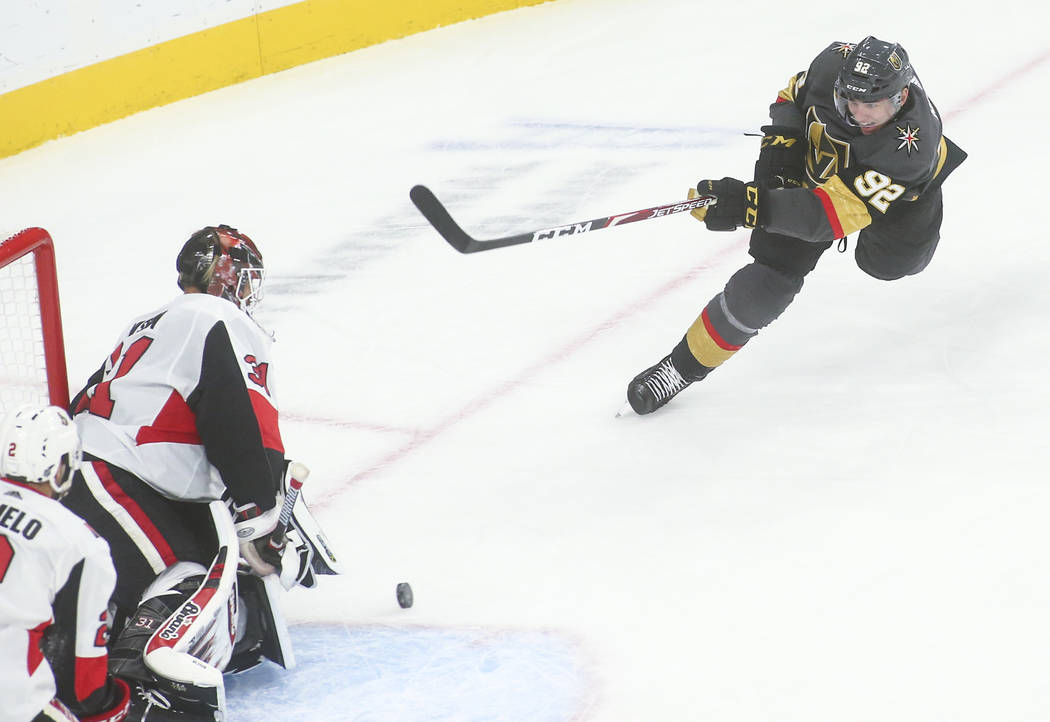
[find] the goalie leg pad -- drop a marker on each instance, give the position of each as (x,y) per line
(205,625)
(191,686)
(265,632)
(160,600)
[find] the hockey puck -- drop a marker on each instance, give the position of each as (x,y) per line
(404,595)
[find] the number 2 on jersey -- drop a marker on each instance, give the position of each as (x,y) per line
(122,361)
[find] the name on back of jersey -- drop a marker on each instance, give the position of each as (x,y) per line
(15,520)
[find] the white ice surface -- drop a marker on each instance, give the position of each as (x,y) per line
(848,521)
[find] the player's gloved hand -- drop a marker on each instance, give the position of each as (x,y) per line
(251,522)
(261,547)
(115,706)
(737,204)
(286,555)
(697,213)
(264,554)
(781,161)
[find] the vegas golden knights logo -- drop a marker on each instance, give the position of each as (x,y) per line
(827,155)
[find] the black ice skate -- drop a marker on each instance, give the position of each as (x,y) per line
(655,386)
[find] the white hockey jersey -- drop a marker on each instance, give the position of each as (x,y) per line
(187,403)
(54,570)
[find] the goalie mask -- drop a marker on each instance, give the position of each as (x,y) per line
(40,446)
(221,261)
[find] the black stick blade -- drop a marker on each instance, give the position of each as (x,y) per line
(435,213)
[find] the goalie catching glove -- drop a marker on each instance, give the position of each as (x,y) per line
(736,204)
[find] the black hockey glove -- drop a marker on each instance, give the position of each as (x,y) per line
(781,162)
(737,204)
(112,704)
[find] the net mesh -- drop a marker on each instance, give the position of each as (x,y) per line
(23,364)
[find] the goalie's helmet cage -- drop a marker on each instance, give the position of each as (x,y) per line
(222,261)
(874,70)
(40,446)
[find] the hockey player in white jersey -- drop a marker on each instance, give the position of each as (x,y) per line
(183,414)
(55,582)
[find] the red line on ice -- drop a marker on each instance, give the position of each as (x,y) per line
(992,88)
(422,436)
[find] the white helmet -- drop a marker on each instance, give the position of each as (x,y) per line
(40,445)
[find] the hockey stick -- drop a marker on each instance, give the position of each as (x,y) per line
(297,473)
(322,559)
(433,211)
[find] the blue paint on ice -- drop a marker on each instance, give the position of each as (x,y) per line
(385,674)
(551,135)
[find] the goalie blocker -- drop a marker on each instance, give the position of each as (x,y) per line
(194,624)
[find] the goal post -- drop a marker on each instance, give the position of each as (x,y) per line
(32,351)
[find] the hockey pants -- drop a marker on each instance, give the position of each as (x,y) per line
(756,295)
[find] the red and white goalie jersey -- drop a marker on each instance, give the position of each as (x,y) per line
(188,391)
(56,577)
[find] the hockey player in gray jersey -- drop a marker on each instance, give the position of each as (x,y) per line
(855,146)
(185,476)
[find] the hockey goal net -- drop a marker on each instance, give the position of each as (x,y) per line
(32,353)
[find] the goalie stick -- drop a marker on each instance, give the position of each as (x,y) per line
(297,473)
(295,514)
(435,213)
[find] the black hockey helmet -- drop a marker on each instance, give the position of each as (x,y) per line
(222,261)
(874,70)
